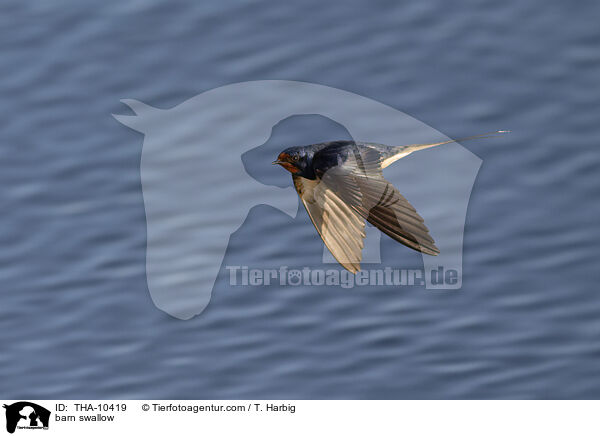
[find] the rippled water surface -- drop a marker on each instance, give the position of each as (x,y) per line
(76,320)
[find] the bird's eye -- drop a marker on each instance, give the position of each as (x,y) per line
(295,158)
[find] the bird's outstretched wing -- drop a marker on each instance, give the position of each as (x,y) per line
(340,226)
(359,183)
(384,207)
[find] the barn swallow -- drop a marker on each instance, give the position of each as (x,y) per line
(341,185)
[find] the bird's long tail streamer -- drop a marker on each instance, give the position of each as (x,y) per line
(415,147)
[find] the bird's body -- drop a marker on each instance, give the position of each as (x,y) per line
(341,185)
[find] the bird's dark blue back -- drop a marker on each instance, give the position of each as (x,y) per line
(331,154)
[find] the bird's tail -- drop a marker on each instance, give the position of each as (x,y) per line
(405,150)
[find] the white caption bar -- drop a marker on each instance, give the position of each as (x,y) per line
(262,417)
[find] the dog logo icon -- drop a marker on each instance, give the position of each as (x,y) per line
(26,415)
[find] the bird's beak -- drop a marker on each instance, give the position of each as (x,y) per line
(277,162)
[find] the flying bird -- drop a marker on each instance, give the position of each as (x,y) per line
(341,185)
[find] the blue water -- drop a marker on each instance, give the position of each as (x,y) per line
(76,320)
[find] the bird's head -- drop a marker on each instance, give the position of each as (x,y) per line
(294,159)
